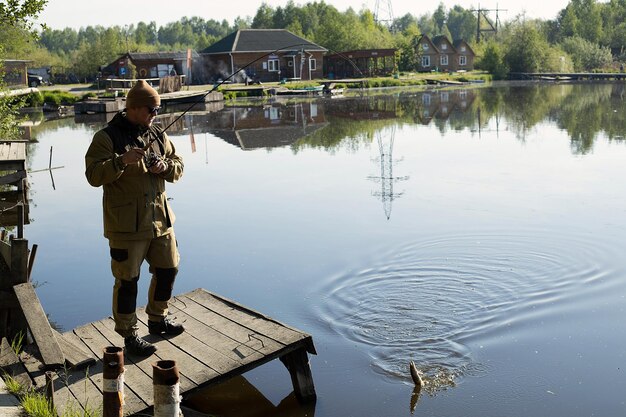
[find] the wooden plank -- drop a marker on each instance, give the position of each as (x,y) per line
(243,314)
(5,251)
(9,405)
(214,362)
(107,328)
(249,318)
(39,326)
(10,364)
(29,357)
(231,329)
(138,389)
(75,392)
(225,346)
(13,177)
(75,356)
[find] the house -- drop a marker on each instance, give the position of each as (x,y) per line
(263,55)
(360,63)
(439,54)
(15,72)
(153,65)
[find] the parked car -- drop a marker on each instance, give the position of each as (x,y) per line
(35,80)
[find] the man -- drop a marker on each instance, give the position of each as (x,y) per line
(131,159)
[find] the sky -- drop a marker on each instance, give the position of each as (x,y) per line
(59,14)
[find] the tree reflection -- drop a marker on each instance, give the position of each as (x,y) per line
(585,111)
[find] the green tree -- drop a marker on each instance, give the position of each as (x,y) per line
(492,60)
(16,19)
(264,17)
(439,17)
(461,23)
(586,56)
(525,47)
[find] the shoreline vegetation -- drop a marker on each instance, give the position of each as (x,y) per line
(67,95)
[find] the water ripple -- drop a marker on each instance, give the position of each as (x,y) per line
(428,300)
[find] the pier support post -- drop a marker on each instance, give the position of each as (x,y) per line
(50,389)
(166,382)
(113,382)
(297,363)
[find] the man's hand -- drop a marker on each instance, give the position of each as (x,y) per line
(133,156)
(158,167)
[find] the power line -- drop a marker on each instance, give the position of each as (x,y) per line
(492,28)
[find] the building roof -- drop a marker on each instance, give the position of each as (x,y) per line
(458,42)
(261,40)
(155,56)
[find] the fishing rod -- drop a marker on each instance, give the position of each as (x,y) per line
(216,86)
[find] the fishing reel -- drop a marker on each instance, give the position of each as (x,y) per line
(150,159)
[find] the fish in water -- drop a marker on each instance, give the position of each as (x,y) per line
(415,375)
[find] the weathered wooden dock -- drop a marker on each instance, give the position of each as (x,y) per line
(568,76)
(99,106)
(13,203)
(221,339)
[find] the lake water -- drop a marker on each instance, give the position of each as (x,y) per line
(478,232)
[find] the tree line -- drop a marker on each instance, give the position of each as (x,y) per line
(587,35)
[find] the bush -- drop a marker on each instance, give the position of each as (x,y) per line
(58,97)
(34,99)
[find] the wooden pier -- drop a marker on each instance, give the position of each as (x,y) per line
(13,202)
(568,76)
(222,339)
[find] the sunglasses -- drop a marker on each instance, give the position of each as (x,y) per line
(154,110)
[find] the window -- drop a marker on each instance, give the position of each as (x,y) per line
(272,65)
(312,64)
(444,46)
(290,64)
(425,46)
(444,60)
(426,61)
(463,48)
(462,60)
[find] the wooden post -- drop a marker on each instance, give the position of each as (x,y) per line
(50,389)
(19,275)
(166,383)
(113,382)
(31,261)
(297,363)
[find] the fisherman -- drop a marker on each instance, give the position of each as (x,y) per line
(131,159)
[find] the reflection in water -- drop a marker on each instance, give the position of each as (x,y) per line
(267,126)
(583,110)
(386,179)
(236,397)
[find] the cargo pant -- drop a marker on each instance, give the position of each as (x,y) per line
(126,258)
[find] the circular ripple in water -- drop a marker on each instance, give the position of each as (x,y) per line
(422,301)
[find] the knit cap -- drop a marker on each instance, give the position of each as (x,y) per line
(142,94)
